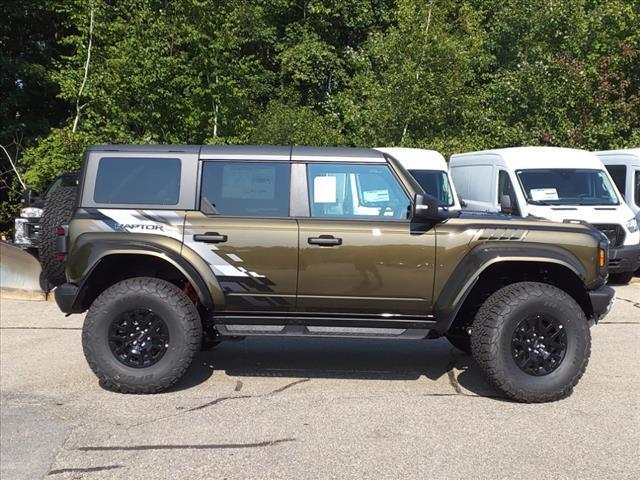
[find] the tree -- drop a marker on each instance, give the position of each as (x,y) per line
(451,75)
(29,107)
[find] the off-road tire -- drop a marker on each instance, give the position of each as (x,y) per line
(492,332)
(58,209)
(621,278)
(176,310)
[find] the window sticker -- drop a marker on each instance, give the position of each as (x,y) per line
(376,196)
(251,182)
(325,189)
(541,194)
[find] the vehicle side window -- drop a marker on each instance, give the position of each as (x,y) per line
(637,195)
(619,175)
(142,181)
(356,191)
(246,189)
(505,187)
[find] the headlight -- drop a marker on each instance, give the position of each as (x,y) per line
(632,225)
(31,212)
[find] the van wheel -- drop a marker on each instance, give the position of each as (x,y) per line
(140,335)
(532,341)
(620,278)
(58,209)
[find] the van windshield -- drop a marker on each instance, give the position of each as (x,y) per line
(436,183)
(567,186)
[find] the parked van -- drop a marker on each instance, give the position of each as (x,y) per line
(558,184)
(429,168)
(624,168)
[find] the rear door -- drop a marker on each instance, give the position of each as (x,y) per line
(243,230)
(359,253)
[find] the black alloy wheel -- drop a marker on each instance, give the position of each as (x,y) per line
(539,345)
(138,338)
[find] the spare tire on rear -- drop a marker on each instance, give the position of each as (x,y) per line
(58,208)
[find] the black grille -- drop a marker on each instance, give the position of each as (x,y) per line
(614,233)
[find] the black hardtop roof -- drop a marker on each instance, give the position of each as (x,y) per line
(146,148)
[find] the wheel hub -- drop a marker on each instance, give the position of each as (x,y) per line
(138,338)
(539,345)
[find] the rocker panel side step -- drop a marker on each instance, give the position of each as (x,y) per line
(304,331)
(329,326)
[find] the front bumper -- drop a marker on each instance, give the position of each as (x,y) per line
(27,232)
(624,259)
(602,299)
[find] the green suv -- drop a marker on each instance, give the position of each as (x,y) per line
(175,248)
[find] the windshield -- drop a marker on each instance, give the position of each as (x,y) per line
(436,183)
(64,180)
(567,186)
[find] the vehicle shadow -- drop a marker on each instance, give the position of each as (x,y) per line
(335,358)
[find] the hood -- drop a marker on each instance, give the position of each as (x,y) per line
(591,214)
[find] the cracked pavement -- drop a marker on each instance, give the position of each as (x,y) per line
(311,408)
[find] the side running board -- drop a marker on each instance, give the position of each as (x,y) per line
(359,327)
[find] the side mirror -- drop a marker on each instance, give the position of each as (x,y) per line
(505,204)
(28,197)
(425,207)
(463,204)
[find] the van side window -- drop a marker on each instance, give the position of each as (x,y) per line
(356,191)
(246,189)
(505,187)
(619,175)
(637,188)
(467,181)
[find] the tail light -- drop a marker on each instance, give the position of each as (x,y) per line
(61,243)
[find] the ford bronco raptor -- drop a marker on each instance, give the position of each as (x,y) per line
(170,248)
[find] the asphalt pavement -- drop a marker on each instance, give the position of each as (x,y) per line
(312,408)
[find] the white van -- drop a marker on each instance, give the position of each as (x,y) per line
(558,184)
(429,168)
(624,168)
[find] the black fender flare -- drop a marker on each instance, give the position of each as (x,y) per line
(477,260)
(91,248)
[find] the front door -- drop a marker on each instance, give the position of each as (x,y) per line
(359,253)
(244,232)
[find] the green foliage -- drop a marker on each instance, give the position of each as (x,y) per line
(450,75)
(61,151)
(286,124)
(28,104)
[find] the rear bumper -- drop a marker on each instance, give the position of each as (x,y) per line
(602,299)
(624,259)
(66,297)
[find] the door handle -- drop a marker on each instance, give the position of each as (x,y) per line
(210,237)
(325,240)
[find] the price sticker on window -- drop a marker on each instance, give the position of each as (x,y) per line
(325,189)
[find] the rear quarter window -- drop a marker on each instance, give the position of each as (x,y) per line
(142,181)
